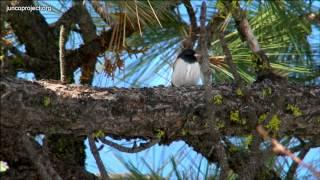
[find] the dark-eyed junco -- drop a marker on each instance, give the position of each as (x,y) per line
(186,69)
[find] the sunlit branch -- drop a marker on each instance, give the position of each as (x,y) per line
(63,72)
(279,149)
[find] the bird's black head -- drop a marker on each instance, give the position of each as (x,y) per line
(188,55)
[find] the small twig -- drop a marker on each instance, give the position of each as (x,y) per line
(103,13)
(133,149)
(313,17)
(63,72)
(281,150)
(96,155)
(294,165)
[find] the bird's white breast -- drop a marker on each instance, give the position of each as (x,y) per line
(186,74)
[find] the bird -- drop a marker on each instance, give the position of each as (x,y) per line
(186,69)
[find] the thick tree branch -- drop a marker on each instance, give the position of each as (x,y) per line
(205,66)
(34,32)
(217,147)
(191,13)
(94,48)
(19,61)
(228,59)
(85,56)
(242,24)
(78,14)
(193,21)
(68,18)
(213,27)
(47,107)
(88,31)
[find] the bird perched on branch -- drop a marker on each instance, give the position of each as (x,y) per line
(186,69)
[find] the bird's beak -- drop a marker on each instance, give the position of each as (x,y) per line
(197,55)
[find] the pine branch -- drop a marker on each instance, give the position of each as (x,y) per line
(134,149)
(96,155)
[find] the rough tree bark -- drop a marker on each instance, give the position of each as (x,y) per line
(51,108)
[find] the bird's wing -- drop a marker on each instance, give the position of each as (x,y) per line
(175,63)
